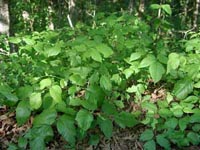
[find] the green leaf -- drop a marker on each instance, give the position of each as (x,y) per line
(106,126)
(167,8)
(183,122)
(81,71)
(149,106)
(193,138)
(6,91)
(75,102)
(22,142)
(43,131)
(53,51)
(128,72)
(63,83)
(95,55)
(165,113)
(169,97)
(135,56)
(94,139)
(195,118)
(35,100)
(171,123)
(76,79)
(109,108)
(162,58)
(163,142)
(24,92)
(197,85)
(61,107)
(155,6)
(173,62)
(125,119)
(90,104)
(15,40)
(150,145)
(147,135)
(23,112)
(45,83)
(177,110)
(196,127)
(116,78)
(47,117)
(37,144)
(12,146)
(28,40)
(84,119)
(66,128)
(182,88)
(191,99)
(187,107)
(147,61)
(156,70)
(56,93)
(105,83)
(95,96)
(105,50)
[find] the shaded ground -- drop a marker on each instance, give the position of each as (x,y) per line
(123,139)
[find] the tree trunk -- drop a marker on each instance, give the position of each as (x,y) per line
(72,16)
(141,6)
(131,5)
(4,17)
(195,15)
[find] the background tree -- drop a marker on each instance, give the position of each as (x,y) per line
(4,17)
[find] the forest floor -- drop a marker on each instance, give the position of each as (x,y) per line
(122,139)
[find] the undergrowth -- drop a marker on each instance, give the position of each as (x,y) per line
(80,80)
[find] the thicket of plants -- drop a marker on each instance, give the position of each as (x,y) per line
(86,81)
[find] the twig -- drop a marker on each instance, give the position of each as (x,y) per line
(185,32)
(70,21)
(3,52)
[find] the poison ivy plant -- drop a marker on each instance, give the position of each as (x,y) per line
(87,81)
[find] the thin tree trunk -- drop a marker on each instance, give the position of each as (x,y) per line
(72,13)
(195,14)
(141,6)
(4,17)
(186,10)
(131,5)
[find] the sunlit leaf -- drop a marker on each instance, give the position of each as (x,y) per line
(167,8)
(147,61)
(35,100)
(182,88)
(105,83)
(105,50)
(173,62)
(56,93)
(156,71)
(84,119)
(45,83)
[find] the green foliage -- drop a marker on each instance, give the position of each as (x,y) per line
(23,112)
(66,128)
(84,119)
(83,79)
